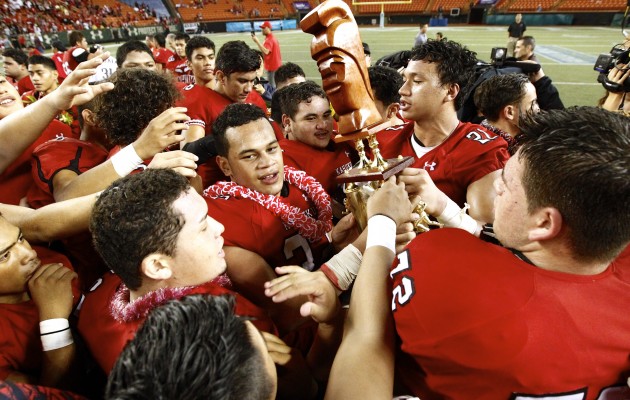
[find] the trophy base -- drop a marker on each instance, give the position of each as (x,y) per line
(394,166)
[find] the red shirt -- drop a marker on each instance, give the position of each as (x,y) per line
(72,57)
(467,155)
(24,85)
(162,55)
(16,180)
(179,68)
(58,59)
(273,60)
(477,322)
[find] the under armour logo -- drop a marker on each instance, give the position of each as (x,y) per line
(430,166)
(96,35)
(59,136)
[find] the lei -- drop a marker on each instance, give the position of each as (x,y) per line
(310,228)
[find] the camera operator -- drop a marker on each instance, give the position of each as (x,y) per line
(547,93)
(262,85)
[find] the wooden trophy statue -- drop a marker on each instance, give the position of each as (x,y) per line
(338,50)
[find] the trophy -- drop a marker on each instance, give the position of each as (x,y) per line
(338,51)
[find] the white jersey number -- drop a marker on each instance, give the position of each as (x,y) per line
(295,242)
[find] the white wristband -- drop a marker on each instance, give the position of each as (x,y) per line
(55,334)
(455,217)
(381,232)
(126,161)
(345,265)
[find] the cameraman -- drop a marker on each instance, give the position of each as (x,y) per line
(547,93)
(615,101)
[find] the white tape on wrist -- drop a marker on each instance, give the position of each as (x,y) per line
(455,217)
(55,334)
(381,232)
(126,161)
(345,265)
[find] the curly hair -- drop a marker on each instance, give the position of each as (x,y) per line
(454,63)
(134,217)
(499,91)
(192,348)
(576,160)
(234,115)
(385,82)
(138,96)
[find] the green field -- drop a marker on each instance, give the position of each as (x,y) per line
(576,81)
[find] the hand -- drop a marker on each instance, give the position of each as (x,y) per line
(259,88)
(51,290)
(323,304)
(345,232)
(391,200)
(418,182)
(180,161)
(75,89)
(619,73)
(163,131)
(404,235)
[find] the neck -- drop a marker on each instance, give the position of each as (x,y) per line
(557,257)
(15,298)
(148,286)
(49,90)
(204,82)
(505,126)
(433,132)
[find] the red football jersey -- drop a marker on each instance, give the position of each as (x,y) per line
(69,117)
(96,319)
(252,227)
(322,164)
(16,180)
(70,62)
(467,155)
(58,59)
(20,345)
(24,85)
(204,106)
(56,155)
(480,323)
(162,55)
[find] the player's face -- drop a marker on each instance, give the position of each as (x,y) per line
(139,59)
(261,346)
(180,47)
(510,205)
(83,43)
(312,124)
(199,255)
(529,103)
(44,80)
(10,100)
(254,157)
(12,68)
(422,94)
(238,85)
(202,65)
(18,262)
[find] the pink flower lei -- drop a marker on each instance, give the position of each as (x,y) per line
(312,229)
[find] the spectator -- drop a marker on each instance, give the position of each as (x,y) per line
(515,31)
(271,51)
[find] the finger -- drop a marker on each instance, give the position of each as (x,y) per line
(185,172)
(289,269)
(102,88)
(280,358)
(182,154)
(270,337)
(46,270)
(172,139)
(404,228)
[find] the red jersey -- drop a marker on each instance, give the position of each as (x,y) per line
(252,227)
(322,164)
(273,60)
(58,59)
(12,390)
(20,345)
(24,85)
(73,57)
(480,323)
(179,68)
(467,155)
(16,180)
(204,106)
(107,313)
(162,55)
(56,155)
(69,117)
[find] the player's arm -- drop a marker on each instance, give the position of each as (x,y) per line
(248,272)
(480,196)
(52,222)
(20,129)
(194,132)
(364,364)
(158,135)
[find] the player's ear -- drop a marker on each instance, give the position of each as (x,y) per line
(224,164)
(453,91)
(156,266)
(286,122)
(547,224)
(392,110)
(219,75)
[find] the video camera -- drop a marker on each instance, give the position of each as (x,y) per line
(607,61)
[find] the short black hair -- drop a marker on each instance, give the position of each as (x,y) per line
(134,217)
(57,44)
(455,64)
(576,160)
(528,41)
(198,42)
(234,115)
(299,93)
(75,37)
(192,348)
(237,56)
(498,92)
(128,47)
(385,82)
(160,38)
(287,71)
(182,36)
(276,104)
(139,95)
(43,60)
(18,56)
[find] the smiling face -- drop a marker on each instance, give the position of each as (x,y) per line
(198,256)
(312,124)
(254,157)
(10,100)
(18,262)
